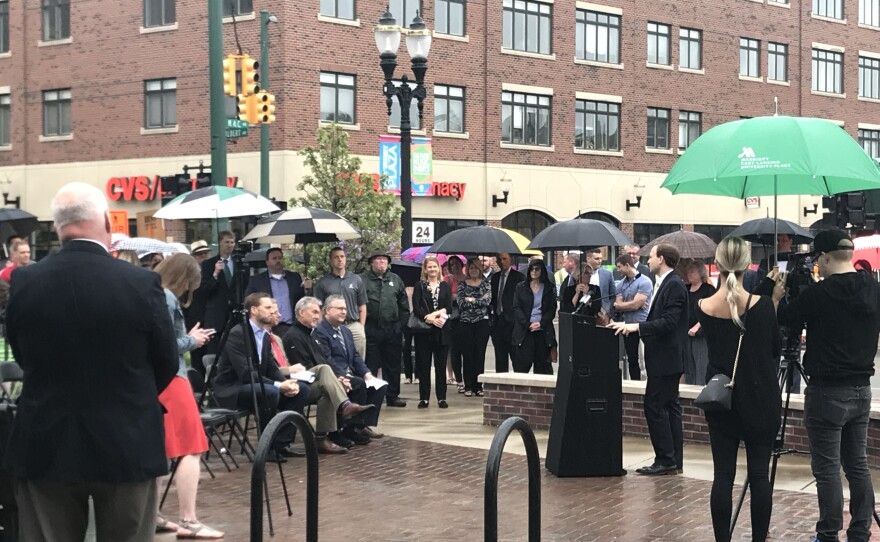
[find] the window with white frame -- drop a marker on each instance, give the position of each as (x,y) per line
(777,61)
(689,128)
(449,17)
(160,103)
(56,19)
(405,11)
(869,12)
(338,98)
(597,36)
(832,9)
(658,128)
(597,125)
(827,71)
(749,57)
(659,43)
(5,113)
(340,9)
(525,119)
(159,13)
(448,109)
(526,26)
(237,7)
(56,112)
(870,141)
(869,77)
(4,26)
(690,48)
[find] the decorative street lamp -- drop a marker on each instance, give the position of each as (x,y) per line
(418,43)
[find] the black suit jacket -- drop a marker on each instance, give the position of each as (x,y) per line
(233,370)
(423,306)
(523,299)
(513,278)
(97,346)
(665,331)
(219,296)
(262,283)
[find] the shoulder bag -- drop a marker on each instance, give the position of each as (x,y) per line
(717,395)
(416,325)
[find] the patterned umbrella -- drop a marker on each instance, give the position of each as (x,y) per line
(303,225)
(144,246)
(216,202)
(418,255)
(689,244)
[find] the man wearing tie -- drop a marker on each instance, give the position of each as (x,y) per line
(501,311)
(603,279)
(218,288)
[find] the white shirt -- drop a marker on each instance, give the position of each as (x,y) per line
(660,279)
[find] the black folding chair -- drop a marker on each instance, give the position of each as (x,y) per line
(11,377)
(207,401)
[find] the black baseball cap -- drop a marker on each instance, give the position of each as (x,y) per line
(831,240)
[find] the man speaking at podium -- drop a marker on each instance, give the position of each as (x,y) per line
(664,334)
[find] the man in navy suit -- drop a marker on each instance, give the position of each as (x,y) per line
(285,286)
(664,334)
(337,343)
(603,279)
(503,284)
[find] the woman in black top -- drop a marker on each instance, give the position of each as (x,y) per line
(472,332)
(432,302)
(755,412)
(534,306)
(569,301)
(696,356)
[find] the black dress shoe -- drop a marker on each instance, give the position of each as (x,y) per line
(423,404)
(340,440)
(396,402)
(443,404)
(275,458)
(658,470)
(288,452)
(355,436)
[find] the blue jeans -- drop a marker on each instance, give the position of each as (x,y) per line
(836,419)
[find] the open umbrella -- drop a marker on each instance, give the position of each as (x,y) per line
(216,202)
(579,233)
(16,222)
(773,156)
(689,244)
(482,240)
(144,246)
(418,254)
(763,230)
(867,248)
(303,225)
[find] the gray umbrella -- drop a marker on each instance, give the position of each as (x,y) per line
(689,244)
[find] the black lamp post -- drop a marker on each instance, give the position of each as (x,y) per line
(418,43)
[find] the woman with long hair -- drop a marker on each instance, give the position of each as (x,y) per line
(534,306)
(455,277)
(474,297)
(754,414)
(572,294)
(184,434)
(696,356)
(432,302)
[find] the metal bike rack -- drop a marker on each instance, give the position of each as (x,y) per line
(258,473)
(493,464)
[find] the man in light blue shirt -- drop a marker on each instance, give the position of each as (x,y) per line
(633,301)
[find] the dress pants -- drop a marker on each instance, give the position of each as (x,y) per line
(328,392)
(455,355)
(472,339)
(430,345)
(501,332)
(274,401)
(407,353)
(663,414)
(59,512)
(363,395)
(631,344)
(359,336)
(533,352)
(384,345)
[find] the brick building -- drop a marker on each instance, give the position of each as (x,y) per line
(578,104)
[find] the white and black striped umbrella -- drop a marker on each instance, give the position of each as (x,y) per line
(144,246)
(303,225)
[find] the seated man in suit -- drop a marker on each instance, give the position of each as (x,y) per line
(337,345)
(274,391)
(286,287)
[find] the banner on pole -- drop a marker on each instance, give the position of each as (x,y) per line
(421,164)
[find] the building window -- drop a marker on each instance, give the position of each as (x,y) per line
(159,13)
(777,62)
(714,232)
(689,128)
(870,141)
(526,26)
(828,8)
(448,109)
(597,36)
(338,98)
(56,112)
(405,11)
(414,121)
(237,7)
(690,45)
(449,17)
(749,57)
(597,126)
(4,26)
(528,223)
(658,128)
(658,43)
(525,119)
(5,109)
(340,9)
(56,19)
(160,103)
(869,12)
(645,233)
(827,71)
(869,77)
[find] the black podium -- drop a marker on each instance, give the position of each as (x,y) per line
(586,431)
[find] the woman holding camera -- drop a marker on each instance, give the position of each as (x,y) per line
(755,411)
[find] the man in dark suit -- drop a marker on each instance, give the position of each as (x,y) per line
(603,279)
(97,347)
(285,286)
(501,311)
(337,344)
(219,287)
(664,334)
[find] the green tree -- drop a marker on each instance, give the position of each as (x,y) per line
(337,184)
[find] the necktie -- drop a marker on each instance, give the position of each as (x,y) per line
(501,281)
(278,353)
(226,272)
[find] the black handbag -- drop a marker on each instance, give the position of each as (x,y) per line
(717,395)
(416,325)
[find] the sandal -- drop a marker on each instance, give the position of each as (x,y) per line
(165,526)
(198,531)
(461,388)
(450,381)
(479,393)
(469,393)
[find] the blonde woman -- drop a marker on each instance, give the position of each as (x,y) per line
(432,302)
(184,434)
(754,415)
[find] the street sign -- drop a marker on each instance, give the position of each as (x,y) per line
(236,128)
(422,233)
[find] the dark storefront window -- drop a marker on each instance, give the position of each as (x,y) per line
(645,233)
(713,231)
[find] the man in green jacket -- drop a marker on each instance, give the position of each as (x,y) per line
(387,313)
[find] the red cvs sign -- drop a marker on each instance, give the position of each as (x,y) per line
(142,188)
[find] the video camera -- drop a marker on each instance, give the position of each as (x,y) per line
(242,249)
(800,274)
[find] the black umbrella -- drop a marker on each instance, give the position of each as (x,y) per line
(579,233)
(763,230)
(16,222)
(409,272)
(482,240)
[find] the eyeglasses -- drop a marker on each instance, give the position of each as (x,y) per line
(337,308)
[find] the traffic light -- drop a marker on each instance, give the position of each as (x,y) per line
(229,86)
(250,78)
(247,108)
(855,203)
(266,107)
(830,203)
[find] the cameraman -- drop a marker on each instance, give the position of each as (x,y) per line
(842,316)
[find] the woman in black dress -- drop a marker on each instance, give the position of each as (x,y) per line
(534,306)
(754,415)
(696,355)
(432,302)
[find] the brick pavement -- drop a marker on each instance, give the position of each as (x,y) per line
(401,490)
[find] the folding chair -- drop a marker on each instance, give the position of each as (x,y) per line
(10,375)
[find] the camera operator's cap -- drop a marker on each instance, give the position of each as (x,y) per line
(831,240)
(198,247)
(375,255)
